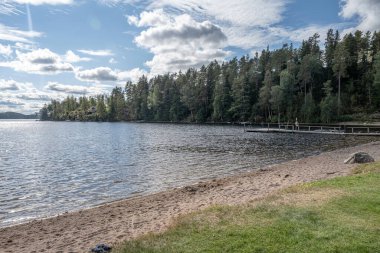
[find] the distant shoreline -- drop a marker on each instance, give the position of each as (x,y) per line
(117,221)
(15,115)
(237,123)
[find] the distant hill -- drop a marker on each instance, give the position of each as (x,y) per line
(15,115)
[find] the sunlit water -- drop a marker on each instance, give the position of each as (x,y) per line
(48,168)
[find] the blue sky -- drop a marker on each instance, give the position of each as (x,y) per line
(53,48)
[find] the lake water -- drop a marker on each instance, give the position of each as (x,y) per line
(48,168)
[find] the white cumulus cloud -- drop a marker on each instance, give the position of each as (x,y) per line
(112,61)
(149,18)
(21,96)
(131,75)
(97,74)
(5,50)
(39,61)
(179,42)
(96,52)
(71,57)
(368,12)
(9,85)
(72,89)
(105,74)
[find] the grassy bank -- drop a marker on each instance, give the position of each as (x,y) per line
(338,215)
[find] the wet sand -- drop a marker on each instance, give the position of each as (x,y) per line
(122,220)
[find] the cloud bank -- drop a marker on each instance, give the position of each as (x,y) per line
(106,74)
(40,61)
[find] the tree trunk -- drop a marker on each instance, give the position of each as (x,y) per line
(305,91)
(339,94)
(369,95)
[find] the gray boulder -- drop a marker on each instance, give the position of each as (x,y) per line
(359,157)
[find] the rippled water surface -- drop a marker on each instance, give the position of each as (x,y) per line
(48,168)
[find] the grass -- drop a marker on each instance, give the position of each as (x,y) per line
(338,215)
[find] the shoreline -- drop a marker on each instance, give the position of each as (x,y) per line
(120,220)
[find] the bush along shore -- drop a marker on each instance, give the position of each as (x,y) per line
(340,83)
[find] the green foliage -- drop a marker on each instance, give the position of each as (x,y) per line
(222,97)
(310,68)
(309,109)
(277,99)
(340,62)
(286,82)
(376,82)
(287,85)
(44,113)
(332,40)
(265,94)
(101,112)
(338,215)
(328,104)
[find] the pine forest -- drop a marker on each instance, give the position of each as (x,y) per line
(321,81)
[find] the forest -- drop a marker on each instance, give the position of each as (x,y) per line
(340,82)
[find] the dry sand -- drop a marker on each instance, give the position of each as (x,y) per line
(122,220)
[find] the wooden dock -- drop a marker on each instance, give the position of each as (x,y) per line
(365,130)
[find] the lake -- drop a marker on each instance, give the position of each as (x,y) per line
(47,168)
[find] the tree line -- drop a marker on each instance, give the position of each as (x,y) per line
(307,83)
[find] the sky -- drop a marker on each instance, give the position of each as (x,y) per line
(50,49)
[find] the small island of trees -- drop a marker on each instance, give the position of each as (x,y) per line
(340,82)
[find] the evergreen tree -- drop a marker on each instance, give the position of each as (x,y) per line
(101,111)
(44,113)
(308,109)
(332,40)
(340,62)
(376,82)
(265,95)
(142,90)
(277,100)
(189,92)
(310,69)
(287,82)
(222,98)
(328,104)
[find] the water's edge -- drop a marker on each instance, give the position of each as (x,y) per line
(49,168)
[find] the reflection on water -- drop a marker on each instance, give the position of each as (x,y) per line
(50,167)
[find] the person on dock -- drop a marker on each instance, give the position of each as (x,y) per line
(297,125)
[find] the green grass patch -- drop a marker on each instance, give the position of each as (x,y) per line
(337,215)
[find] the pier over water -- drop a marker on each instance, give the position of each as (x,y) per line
(338,129)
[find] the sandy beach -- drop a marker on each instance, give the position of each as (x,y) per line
(122,220)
